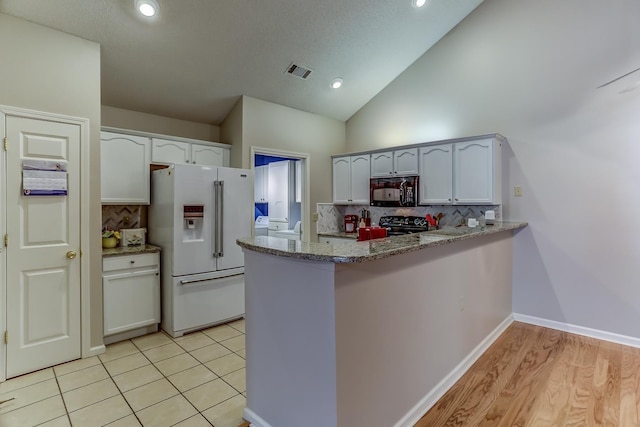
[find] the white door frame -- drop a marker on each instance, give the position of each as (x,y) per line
(85,235)
(306,189)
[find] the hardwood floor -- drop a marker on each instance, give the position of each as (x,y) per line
(533,376)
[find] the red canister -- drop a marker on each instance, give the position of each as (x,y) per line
(350,223)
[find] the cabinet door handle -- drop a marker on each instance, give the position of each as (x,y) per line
(133,261)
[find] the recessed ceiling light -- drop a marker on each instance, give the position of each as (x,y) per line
(418,3)
(147,7)
(336,83)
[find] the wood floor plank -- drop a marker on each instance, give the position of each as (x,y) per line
(514,403)
(486,376)
(553,399)
(595,409)
(553,379)
(611,416)
(581,386)
(628,386)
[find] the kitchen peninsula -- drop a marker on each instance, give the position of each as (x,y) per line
(369,333)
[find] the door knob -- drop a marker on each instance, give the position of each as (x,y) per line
(71,254)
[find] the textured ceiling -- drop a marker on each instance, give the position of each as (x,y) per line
(196,58)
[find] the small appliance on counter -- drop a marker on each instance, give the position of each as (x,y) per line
(489,217)
(132,236)
(350,223)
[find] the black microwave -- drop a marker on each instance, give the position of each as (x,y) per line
(401,191)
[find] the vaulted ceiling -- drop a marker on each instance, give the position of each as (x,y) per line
(195,58)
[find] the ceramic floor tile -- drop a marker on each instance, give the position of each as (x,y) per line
(194,341)
(176,364)
(137,377)
(150,394)
(82,377)
(242,353)
(36,413)
(227,413)
(237,380)
(27,395)
(226,364)
(238,324)
(152,340)
(235,343)
(76,365)
(118,350)
(192,377)
(210,394)
(221,333)
(127,363)
(101,413)
(26,380)
(210,352)
(167,413)
(162,352)
(195,421)
(89,394)
(128,421)
(62,421)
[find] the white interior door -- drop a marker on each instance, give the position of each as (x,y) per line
(43,265)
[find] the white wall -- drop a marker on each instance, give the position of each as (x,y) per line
(143,122)
(268,125)
(46,70)
(529,70)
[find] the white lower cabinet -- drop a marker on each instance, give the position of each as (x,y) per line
(131,292)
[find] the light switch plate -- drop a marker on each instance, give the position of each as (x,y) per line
(314,216)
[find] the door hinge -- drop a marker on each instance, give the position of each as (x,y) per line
(6,240)
(6,337)
(5,143)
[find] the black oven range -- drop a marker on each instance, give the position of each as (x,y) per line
(398,225)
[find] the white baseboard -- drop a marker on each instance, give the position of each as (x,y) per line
(580,330)
(421,408)
(254,419)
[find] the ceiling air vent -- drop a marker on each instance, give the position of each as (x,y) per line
(298,71)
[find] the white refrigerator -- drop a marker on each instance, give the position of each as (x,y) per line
(196,215)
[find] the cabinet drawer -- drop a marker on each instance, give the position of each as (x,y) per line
(130,261)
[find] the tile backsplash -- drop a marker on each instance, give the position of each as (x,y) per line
(331,217)
(117,217)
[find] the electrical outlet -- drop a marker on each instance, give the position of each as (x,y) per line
(314,216)
(517,191)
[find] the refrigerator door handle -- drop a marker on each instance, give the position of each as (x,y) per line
(218,225)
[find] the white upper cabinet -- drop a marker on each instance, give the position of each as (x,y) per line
(167,151)
(124,169)
(207,155)
(394,163)
(382,164)
(405,162)
(351,179)
(436,173)
(476,172)
(261,184)
(174,151)
(461,173)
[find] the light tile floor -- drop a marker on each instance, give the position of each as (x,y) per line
(152,381)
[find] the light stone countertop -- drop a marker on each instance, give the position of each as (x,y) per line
(340,234)
(369,250)
(130,250)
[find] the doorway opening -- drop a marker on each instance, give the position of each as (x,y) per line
(281,202)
